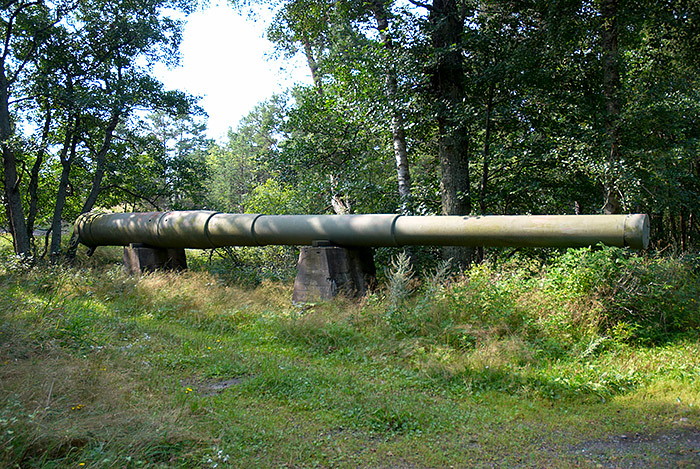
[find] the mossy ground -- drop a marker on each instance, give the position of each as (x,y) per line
(502,367)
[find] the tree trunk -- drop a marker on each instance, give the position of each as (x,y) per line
(339,204)
(34,178)
(398,133)
(13,197)
(486,152)
(100,164)
(55,248)
(448,84)
(672,224)
(611,91)
(313,65)
(66,163)
(403,172)
(692,234)
(485,164)
(684,228)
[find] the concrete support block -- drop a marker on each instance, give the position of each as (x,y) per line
(327,271)
(141,258)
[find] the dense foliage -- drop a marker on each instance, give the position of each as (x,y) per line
(564,107)
(436,107)
(74,78)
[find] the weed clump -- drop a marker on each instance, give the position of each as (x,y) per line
(580,295)
(248,266)
(500,327)
(636,299)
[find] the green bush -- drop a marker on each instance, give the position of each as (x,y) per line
(248,266)
(583,296)
(644,298)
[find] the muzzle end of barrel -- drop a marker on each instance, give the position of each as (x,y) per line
(636,231)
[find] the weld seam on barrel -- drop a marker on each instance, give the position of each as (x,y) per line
(92,237)
(81,228)
(206,229)
(85,223)
(252,230)
(82,231)
(158,222)
(90,229)
(393,230)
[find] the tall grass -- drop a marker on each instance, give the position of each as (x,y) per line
(110,370)
(581,294)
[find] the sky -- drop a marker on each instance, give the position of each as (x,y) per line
(227,61)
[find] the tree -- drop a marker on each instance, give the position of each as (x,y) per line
(243,163)
(343,57)
(333,152)
(380,11)
(79,71)
(447,96)
(24,25)
(525,107)
(610,11)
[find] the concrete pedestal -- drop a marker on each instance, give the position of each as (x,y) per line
(141,258)
(327,271)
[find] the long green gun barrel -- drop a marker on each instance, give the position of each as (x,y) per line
(206,229)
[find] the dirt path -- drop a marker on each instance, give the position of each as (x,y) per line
(677,448)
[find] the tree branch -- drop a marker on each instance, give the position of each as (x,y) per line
(131,193)
(421,5)
(8,37)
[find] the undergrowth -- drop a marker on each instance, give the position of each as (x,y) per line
(109,370)
(247,266)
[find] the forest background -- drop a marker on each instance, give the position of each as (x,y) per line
(436,107)
(547,358)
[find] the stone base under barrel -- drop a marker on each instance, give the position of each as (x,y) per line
(323,272)
(140,258)
(327,271)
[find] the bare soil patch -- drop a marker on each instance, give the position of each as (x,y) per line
(211,387)
(674,448)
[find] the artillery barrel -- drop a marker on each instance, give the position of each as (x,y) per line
(207,229)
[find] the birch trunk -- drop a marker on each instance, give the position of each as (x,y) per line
(398,134)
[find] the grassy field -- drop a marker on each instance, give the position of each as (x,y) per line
(588,360)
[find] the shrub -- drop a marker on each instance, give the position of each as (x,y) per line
(579,304)
(641,298)
(248,266)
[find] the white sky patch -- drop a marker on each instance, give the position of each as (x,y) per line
(226,61)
